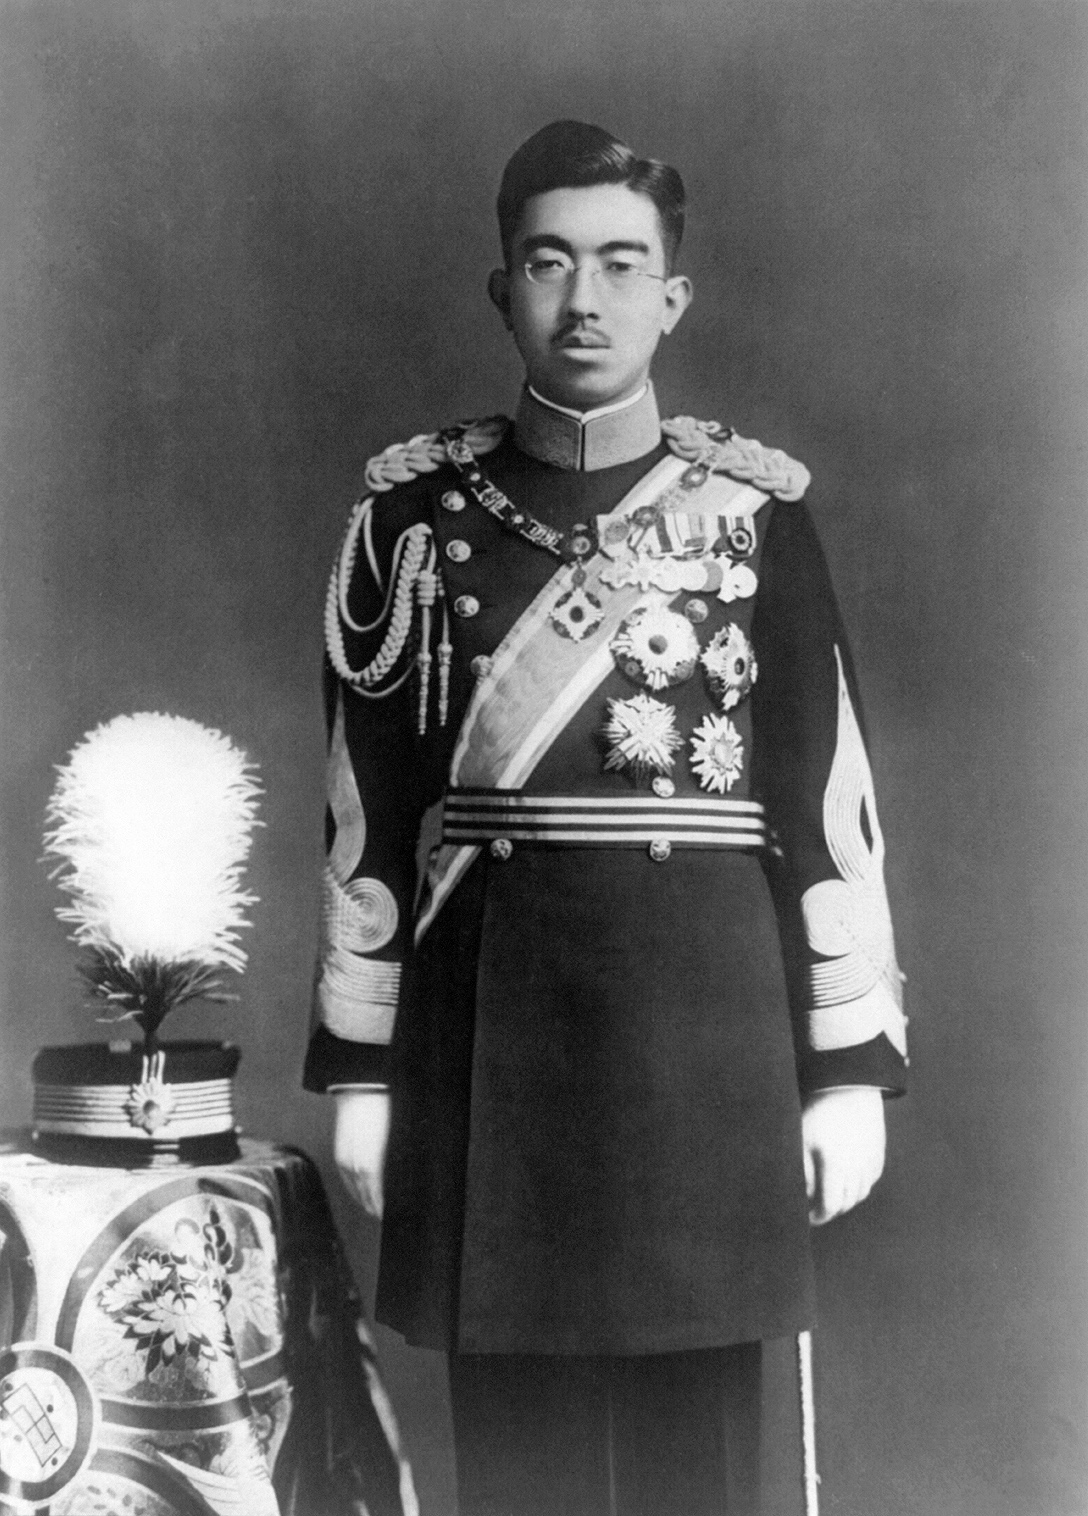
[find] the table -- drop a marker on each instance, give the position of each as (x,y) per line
(185,1341)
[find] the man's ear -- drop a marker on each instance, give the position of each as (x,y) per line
(498,287)
(678,296)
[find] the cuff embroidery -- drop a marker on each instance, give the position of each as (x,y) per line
(357,997)
(856,985)
(360,916)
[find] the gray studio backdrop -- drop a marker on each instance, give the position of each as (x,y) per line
(244,245)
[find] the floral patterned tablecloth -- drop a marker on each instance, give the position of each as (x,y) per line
(186,1342)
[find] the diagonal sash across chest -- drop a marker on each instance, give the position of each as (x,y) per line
(538,681)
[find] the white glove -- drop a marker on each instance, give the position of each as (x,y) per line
(360,1134)
(842,1132)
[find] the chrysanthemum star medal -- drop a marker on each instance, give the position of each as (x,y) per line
(717,754)
(656,647)
(730,665)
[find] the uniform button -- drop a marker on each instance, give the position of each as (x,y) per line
(480,665)
(660,848)
(453,500)
(664,787)
(458,551)
(466,605)
(696,610)
(501,848)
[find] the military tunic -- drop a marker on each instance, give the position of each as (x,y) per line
(602,1036)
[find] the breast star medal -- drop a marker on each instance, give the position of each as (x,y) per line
(717,754)
(656,647)
(730,665)
(642,736)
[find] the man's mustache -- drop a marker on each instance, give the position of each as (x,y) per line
(576,334)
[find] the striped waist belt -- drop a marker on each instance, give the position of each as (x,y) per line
(508,816)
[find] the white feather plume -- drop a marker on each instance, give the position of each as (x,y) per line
(152,819)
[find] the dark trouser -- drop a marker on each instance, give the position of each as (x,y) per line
(669,1434)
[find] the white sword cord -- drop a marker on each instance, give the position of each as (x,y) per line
(808,1423)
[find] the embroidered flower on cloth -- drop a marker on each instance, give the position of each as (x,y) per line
(717,753)
(731,666)
(643,736)
(143,1276)
(169,1307)
(186,1321)
(656,646)
(172,1305)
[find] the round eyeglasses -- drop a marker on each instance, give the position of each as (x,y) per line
(619,276)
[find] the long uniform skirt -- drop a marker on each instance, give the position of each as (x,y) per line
(596,1130)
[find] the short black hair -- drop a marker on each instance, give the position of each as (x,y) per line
(575,155)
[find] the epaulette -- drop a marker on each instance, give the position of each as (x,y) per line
(719,448)
(426,452)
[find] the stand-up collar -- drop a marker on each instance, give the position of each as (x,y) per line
(590,440)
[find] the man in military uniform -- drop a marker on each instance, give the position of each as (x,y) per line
(606,950)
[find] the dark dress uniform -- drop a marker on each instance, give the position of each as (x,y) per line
(605,895)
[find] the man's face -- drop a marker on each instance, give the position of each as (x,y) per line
(588,340)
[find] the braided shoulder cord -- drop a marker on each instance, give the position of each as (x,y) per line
(345,568)
(426,452)
(768,468)
(408,558)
